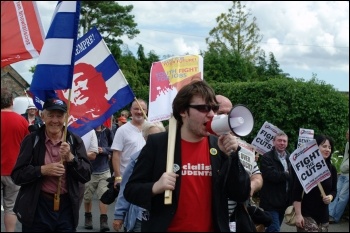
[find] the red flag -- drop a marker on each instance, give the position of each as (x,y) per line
(108,123)
(22,34)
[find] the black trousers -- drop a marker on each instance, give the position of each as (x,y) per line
(48,220)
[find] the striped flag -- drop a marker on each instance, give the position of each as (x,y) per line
(22,34)
(99,87)
(54,70)
(39,97)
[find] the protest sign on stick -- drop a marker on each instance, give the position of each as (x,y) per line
(167,78)
(263,140)
(305,135)
(310,166)
(246,155)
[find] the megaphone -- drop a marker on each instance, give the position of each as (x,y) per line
(239,120)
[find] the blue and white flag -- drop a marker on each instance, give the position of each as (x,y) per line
(39,97)
(99,87)
(54,70)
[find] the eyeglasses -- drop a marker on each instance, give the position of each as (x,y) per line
(205,107)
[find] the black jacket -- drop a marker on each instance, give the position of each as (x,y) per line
(312,204)
(229,179)
(274,195)
(26,173)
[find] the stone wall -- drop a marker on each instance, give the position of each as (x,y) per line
(13,81)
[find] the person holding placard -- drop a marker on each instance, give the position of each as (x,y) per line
(312,208)
(206,170)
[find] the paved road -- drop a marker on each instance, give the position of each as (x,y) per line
(343,226)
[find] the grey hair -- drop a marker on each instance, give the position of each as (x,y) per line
(148,125)
(281,133)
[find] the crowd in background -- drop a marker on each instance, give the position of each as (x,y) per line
(37,162)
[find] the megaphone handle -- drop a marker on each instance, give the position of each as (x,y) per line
(170,156)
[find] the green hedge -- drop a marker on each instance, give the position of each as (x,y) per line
(290,105)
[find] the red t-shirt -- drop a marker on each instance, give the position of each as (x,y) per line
(14,128)
(194,211)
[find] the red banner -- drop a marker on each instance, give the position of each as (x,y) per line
(22,34)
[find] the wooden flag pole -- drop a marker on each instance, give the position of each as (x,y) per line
(56,201)
(170,155)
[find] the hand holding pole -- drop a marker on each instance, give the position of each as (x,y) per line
(170,156)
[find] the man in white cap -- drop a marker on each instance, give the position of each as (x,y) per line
(32,117)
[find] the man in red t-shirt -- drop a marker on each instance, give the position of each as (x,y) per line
(206,170)
(14,128)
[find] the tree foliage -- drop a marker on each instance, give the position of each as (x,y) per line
(235,33)
(111,19)
(226,66)
(235,67)
(233,50)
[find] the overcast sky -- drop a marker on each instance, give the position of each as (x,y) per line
(305,37)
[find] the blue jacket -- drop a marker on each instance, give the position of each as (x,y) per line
(124,209)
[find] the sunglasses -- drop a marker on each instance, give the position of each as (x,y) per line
(205,108)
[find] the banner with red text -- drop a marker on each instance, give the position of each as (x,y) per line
(167,78)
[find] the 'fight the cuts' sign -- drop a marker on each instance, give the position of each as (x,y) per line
(309,165)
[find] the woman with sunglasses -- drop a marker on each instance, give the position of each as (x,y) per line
(207,170)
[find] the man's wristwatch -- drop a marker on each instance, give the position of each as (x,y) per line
(118,178)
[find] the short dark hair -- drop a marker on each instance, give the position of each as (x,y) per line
(184,96)
(6,98)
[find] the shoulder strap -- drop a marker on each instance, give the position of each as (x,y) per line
(36,138)
(70,140)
